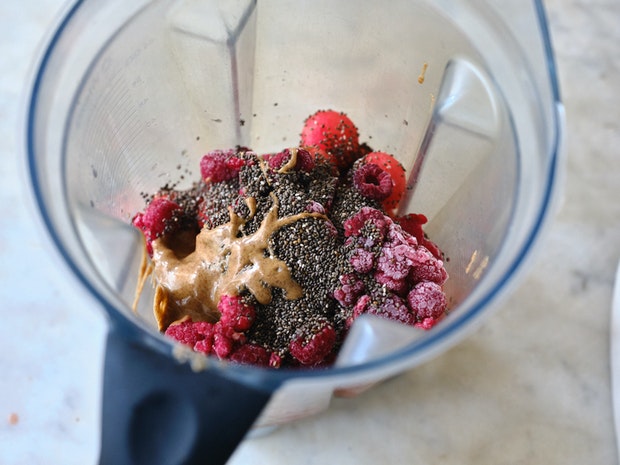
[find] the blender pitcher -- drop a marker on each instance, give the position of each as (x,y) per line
(128,96)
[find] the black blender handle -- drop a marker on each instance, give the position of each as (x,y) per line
(158,411)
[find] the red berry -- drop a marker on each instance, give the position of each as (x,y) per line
(412,223)
(393,308)
(304,160)
(321,156)
(427,300)
(335,134)
(275,360)
(157,216)
(310,351)
(395,169)
(349,290)
(250,354)
(220,165)
(225,339)
(189,332)
(353,226)
(235,313)
(427,268)
(372,181)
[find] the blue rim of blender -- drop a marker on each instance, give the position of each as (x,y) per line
(442,335)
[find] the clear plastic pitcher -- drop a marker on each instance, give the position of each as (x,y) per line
(129,95)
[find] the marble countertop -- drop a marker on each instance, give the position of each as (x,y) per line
(531,386)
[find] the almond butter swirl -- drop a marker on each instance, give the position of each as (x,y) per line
(223,262)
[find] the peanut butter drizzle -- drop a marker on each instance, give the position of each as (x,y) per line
(222,263)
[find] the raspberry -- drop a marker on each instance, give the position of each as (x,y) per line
(354,225)
(399,286)
(250,354)
(427,268)
(393,308)
(395,261)
(304,162)
(225,339)
(158,216)
(335,134)
(412,223)
(362,260)
(396,171)
(190,333)
(320,156)
(360,307)
(275,360)
(315,207)
(372,182)
(235,313)
(427,300)
(349,290)
(426,323)
(220,165)
(316,348)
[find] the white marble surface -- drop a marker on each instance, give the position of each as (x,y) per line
(532,386)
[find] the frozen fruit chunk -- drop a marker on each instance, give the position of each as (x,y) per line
(427,268)
(395,169)
(158,216)
(189,332)
(362,260)
(394,308)
(225,340)
(412,223)
(335,134)
(304,161)
(235,313)
(219,165)
(365,217)
(372,182)
(349,290)
(312,350)
(427,300)
(250,354)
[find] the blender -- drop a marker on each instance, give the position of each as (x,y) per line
(127,97)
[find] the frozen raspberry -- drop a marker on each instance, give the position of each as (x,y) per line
(304,161)
(235,313)
(372,182)
(426,323)
(398,286)
(225,339)
(395,261)
(158,216)
(362,260)
(427,268)
(349,290)
(205,345)
(275,360)
(395,169)
(360,307)
(412,223)
(315,207)
(335,134)
(189,332)
(427,300)
(321,157)
(220,165)
(393,308)
(354,225)
(313,350)
(250,354)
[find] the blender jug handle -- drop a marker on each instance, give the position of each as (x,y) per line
(158,411)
